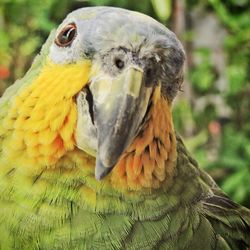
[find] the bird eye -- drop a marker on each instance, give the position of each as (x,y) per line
(66,36)
(119,63)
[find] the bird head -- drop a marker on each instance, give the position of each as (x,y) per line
(106,88)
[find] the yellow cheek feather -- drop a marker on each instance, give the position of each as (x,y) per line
(42,118)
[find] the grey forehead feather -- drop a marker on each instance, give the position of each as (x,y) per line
(101,28)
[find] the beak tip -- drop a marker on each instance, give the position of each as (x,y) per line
(101,171)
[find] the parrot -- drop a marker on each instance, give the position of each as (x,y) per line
(89,156)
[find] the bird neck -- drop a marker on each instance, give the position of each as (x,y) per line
(150,160)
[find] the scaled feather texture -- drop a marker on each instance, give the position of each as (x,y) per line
(104,83)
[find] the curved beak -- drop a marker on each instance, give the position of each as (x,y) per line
(120,104)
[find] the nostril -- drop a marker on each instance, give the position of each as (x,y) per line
(119,63)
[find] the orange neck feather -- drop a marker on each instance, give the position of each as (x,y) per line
(151,158)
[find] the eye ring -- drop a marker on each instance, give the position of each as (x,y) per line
(119,63)
(66,35)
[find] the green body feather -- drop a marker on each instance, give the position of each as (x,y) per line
(52,211)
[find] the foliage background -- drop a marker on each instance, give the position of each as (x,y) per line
(212,113)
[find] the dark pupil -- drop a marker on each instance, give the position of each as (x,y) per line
(67,35)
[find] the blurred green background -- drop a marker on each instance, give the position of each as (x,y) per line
(212,113)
